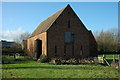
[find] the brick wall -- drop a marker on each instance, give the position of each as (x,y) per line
(56,45)
(92,45)
(30,44)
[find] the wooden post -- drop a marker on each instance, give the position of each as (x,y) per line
(103,55)
(106,61)
(103,59)
(118,60)
(14,56)
(113,58)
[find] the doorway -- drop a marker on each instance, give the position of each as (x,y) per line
(37,48)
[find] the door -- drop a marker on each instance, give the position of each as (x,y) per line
(37,48)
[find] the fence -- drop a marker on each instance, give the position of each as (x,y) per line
(110,60)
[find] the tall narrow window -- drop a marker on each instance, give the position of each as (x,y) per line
(64,50)
(55,50)
(68,13)
(68,23)
(81,51)
(73,50)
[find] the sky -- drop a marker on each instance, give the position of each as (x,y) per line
(20,17)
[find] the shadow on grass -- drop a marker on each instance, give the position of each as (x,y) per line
(60,79)
(58,67)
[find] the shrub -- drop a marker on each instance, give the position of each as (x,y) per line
(72,61)
(56,61)
(43,59)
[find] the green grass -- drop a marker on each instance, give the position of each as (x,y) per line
(7,58)
(109,56)
(11,58)
(32,69)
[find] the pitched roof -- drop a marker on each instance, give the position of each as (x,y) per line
(46,24)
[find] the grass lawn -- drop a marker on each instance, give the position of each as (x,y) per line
(11,58)
(109,56)
(33,69)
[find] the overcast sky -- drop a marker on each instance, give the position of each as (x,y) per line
(23,17)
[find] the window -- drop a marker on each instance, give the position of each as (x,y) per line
(81,51)
(68,23)
(69,37)
(64,50)
(55,50)
(72,50)
(68,13)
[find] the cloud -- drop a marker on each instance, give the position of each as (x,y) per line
(11,35)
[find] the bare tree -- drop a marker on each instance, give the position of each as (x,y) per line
(107,40)
(22,36)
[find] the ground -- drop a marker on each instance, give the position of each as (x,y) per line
(33,69)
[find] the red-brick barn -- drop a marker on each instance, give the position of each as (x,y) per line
(62,35)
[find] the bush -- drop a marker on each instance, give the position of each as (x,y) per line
(43,59)
(72,61)
(56,61)
(62,61)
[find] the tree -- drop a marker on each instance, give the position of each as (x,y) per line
(107,40)
(16,47)
(22,36)
(22,40)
